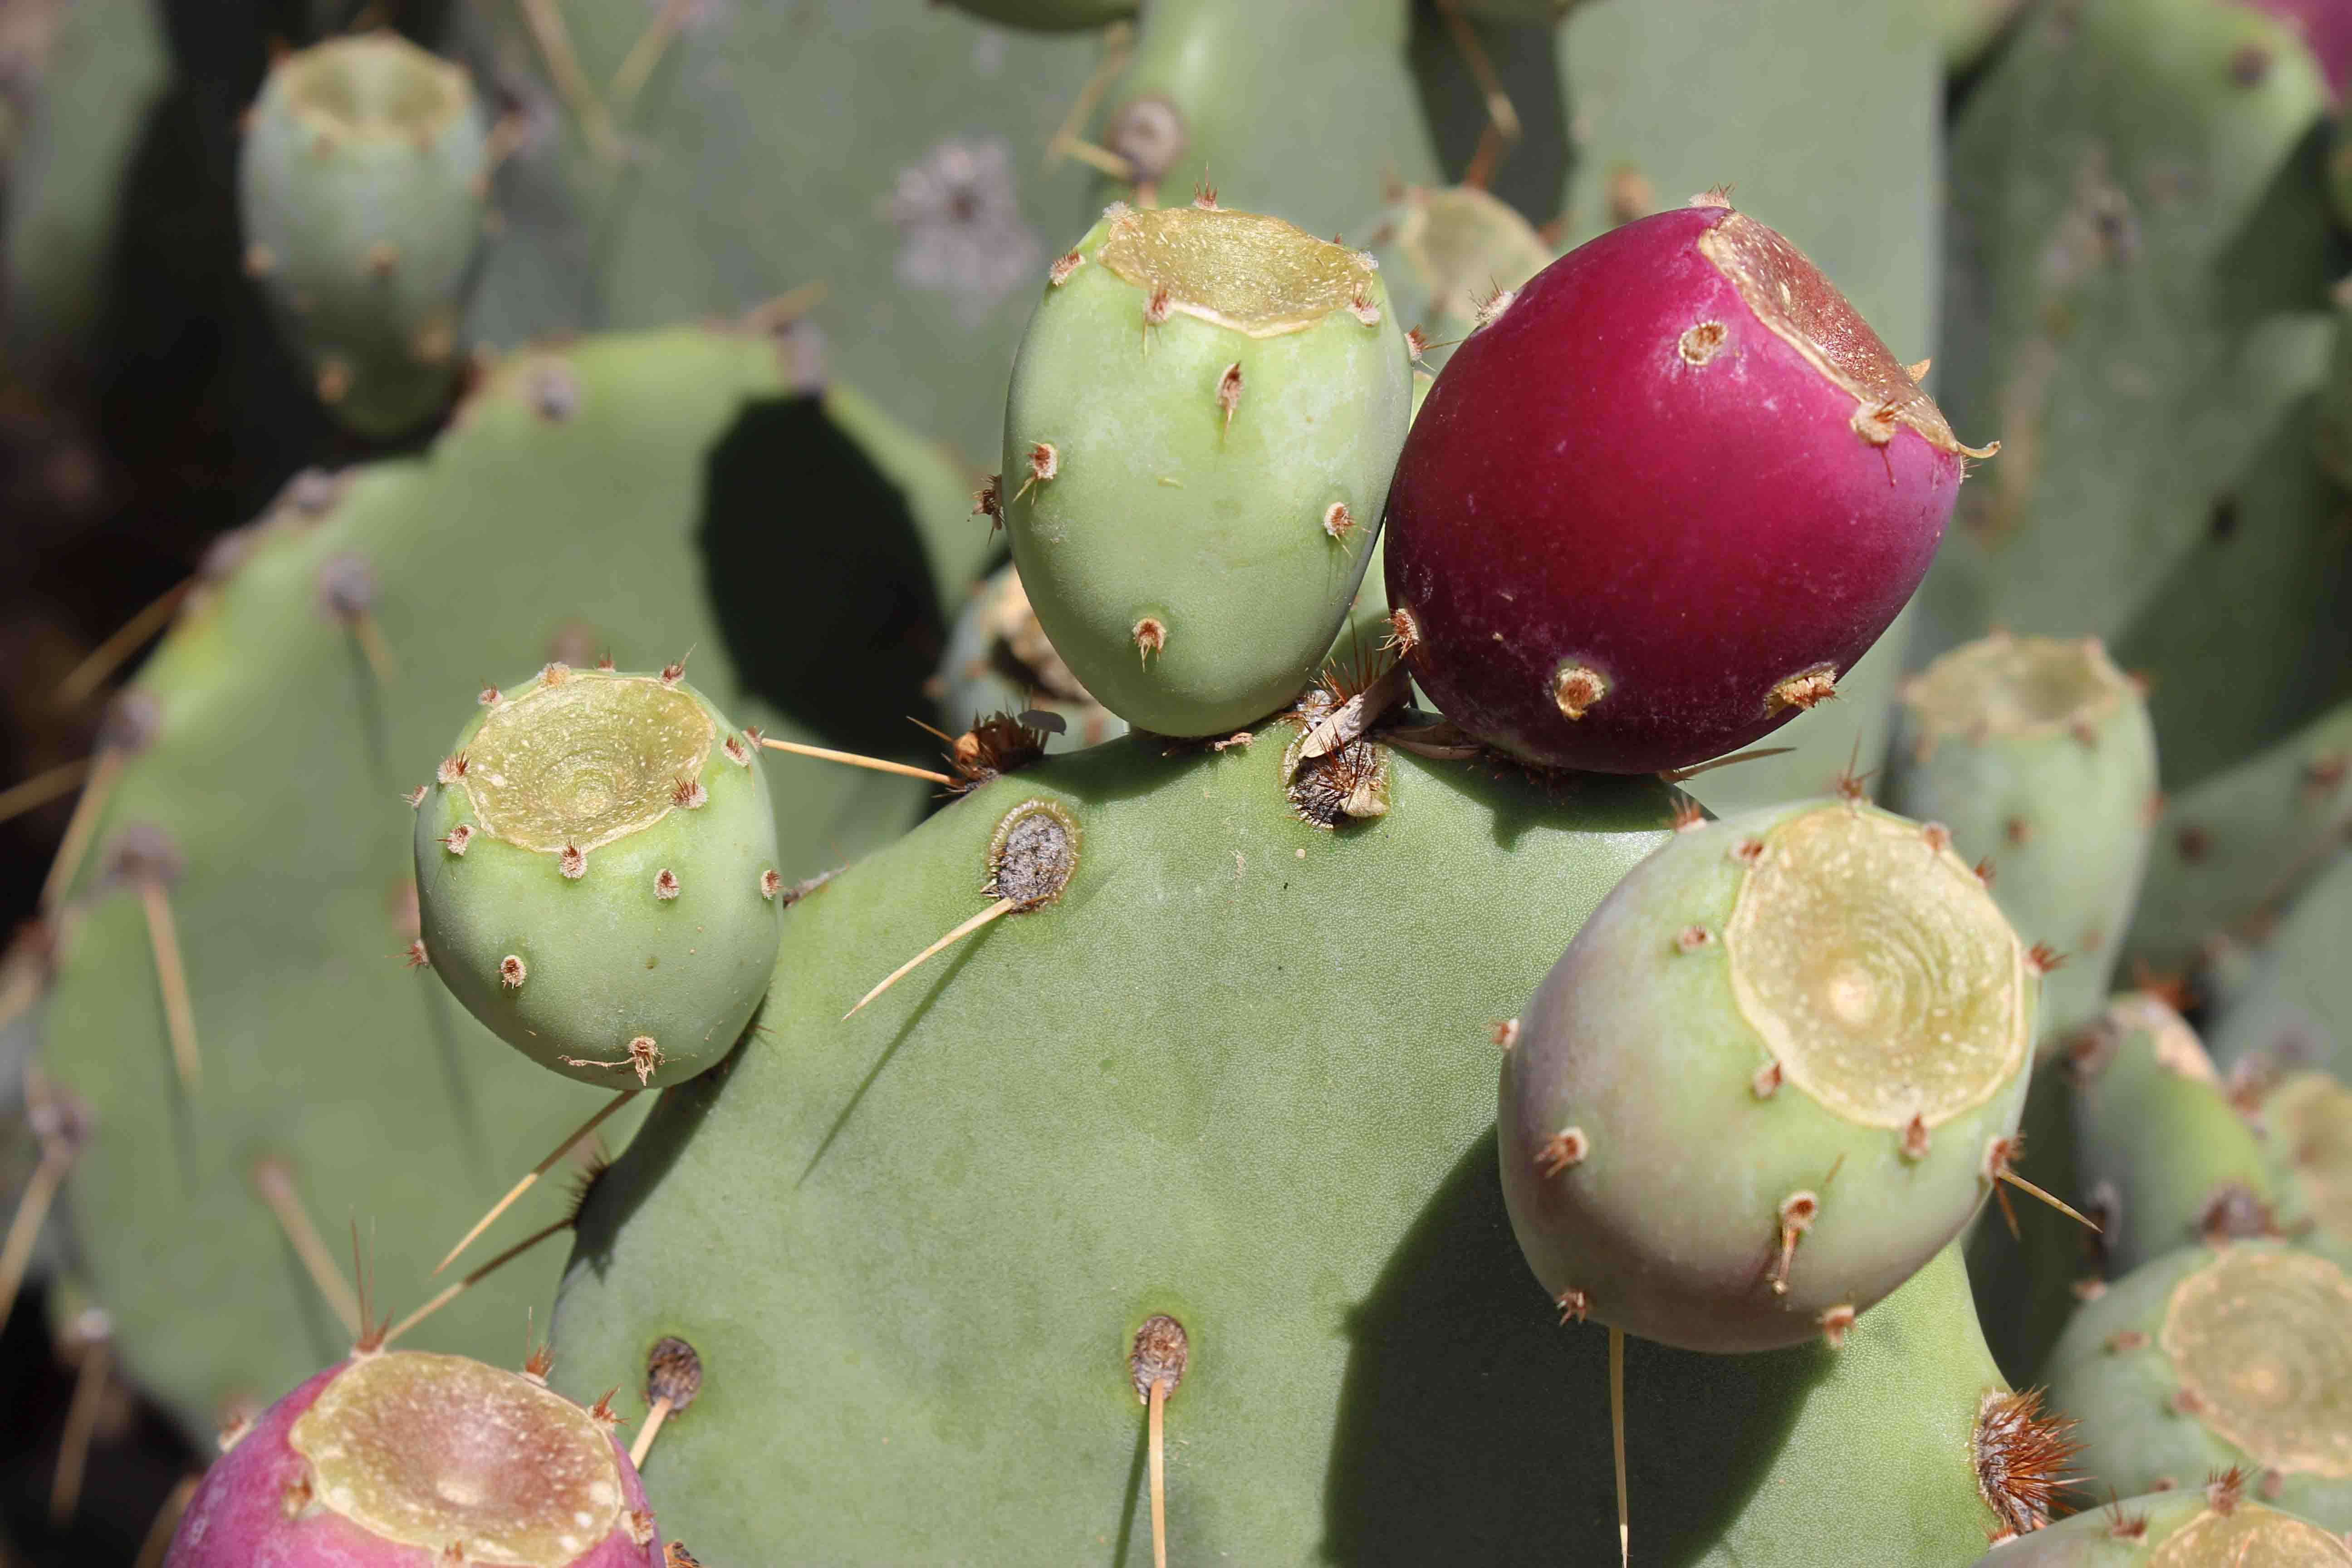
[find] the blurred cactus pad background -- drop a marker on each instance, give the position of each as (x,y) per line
(1144,782)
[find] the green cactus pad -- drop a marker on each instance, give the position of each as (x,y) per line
(2165,1158)
(913,1248)
(596,875)
(1774,1074)
(2230,854)
(362,181)
(2210,1526)
(2037,754)
(277,768)
(2294,1010)
(1202,422)
(2203,1360)
(1305,110)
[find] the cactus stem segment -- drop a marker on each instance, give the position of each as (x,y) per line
(853,760)
(449,1293)
(999,908)
(42,787)
(571,1141)
(273,1183)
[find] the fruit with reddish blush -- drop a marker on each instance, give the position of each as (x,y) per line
(1662,499)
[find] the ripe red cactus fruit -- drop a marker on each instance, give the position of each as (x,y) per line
(1663,501)
(403,1460)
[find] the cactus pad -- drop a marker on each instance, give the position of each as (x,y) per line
(974,1192)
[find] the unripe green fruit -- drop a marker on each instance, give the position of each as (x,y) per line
(596,875)
(1202,422)
(2038,754)
(363,183)
(2206,1359)
(1776,1071)
(2212,1526)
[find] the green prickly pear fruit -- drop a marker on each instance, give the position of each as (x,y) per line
(2205,1360)
(1776,1071)
(596,875)
(1203,418)
(2212,1526)
(363,183)
(1000,660)
(2307,1120)
(1447,252)
(2164,1158)
(2038,754)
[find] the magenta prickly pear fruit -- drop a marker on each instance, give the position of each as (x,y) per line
(1662,499)
(402,1459)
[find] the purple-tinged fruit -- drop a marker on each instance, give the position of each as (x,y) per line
(1662,499)
(403,1460)
(1778,1068)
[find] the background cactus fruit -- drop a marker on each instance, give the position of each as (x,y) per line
(2214,1525)
(2204,1360)
(362,182)
(2163,1156)
(405,1459)
(1663,501)
(1000,660)
(2037,754)
(1202,420)
(1776,1071)
(596,875)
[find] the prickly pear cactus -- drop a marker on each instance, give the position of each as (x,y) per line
(2202,1360)
(596,874)
(307,689)
(1185,1154)
(2036,752)
(363,179)
(1202,420)
(2306,1120)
